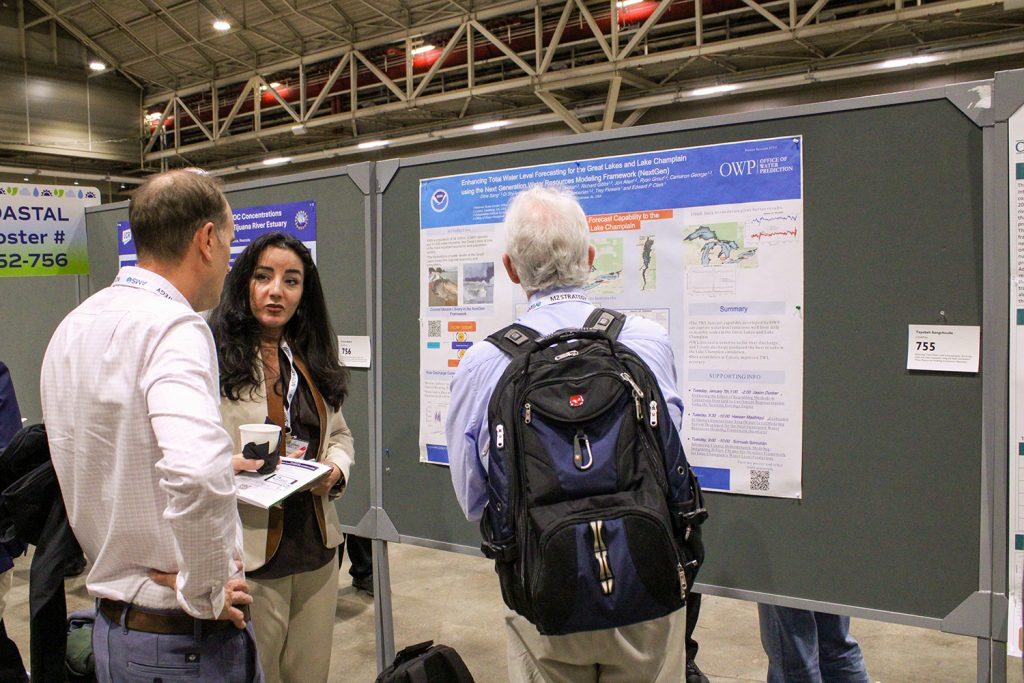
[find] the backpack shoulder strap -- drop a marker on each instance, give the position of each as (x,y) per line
(514,340)
(606,320)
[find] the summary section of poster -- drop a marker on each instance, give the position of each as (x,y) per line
(706,241)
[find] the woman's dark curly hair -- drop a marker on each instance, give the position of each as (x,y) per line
(309,333)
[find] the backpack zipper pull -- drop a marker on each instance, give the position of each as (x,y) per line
(682,580)
(527,413)
(637,395)
(654,413)
(636,387)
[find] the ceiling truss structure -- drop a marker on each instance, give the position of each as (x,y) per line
(365,73)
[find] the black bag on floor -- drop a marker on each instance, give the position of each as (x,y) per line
(426,663)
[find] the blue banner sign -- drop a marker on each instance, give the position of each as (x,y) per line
(752,171)
(297,219)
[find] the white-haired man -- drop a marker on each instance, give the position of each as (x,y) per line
(548,253)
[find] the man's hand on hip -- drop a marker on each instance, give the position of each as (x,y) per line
(236,592)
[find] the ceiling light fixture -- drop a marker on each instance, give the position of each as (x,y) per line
(276,161)
(97,65)
(221,25)
(490,125)
(714,90)
(422,49)
(623,4)
(373,144)
(907,61)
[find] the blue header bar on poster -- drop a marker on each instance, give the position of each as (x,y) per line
(297,219)
(750,171)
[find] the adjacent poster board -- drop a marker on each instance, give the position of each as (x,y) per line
(706,241)
(42,229)
(1015,639)
(297,219)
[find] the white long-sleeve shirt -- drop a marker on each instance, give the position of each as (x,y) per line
(131,407)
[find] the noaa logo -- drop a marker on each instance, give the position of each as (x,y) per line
(301,220)
(126,236)
(439,201)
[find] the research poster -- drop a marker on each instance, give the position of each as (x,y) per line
(42,229)
(1016,450)
(298,219)
(707,241)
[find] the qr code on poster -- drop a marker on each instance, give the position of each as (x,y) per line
(434,329)
(759,480)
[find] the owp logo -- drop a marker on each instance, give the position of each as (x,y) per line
(439,201)
(126,236)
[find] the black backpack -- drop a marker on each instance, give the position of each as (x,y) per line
(426,663)
(593,513)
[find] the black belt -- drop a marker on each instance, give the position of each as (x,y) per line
(180,623)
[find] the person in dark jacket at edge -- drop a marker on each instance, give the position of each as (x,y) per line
(12,669)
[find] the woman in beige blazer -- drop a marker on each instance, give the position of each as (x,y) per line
(279,362)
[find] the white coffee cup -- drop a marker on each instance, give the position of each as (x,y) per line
(260,433)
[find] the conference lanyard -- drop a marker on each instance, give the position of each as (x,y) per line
(293,385)
(558,297)
(136,278)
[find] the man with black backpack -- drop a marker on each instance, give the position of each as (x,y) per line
(563,440)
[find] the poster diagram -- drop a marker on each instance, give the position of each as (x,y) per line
(1015,638)
(705,241)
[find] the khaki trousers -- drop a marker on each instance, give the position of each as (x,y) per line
(294,622)
(649,652)
(5,587)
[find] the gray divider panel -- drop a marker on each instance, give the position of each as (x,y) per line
(341,259)
(890,518)
(31,308)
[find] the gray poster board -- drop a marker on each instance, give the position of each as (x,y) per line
(342,243)
(890,524)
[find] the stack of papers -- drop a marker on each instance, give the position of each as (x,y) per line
(267,490)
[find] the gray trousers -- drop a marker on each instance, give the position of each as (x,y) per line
(221,654)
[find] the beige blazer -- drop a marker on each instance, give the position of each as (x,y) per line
(335,447)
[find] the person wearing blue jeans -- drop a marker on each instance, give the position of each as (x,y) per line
(809,647)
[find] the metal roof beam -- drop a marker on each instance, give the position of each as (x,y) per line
(766,14)
(612,102)
(558,108)
(385,38)
(139,43)
(645,29)
(595,29)
(48,9)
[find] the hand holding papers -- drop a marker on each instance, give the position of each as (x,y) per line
(270,486)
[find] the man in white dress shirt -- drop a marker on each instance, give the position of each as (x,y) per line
(129,393)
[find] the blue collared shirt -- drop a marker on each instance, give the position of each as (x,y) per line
(482,366)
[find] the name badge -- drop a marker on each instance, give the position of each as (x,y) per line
(296,448)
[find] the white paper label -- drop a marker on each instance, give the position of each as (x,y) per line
(354,352)
(944,348)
